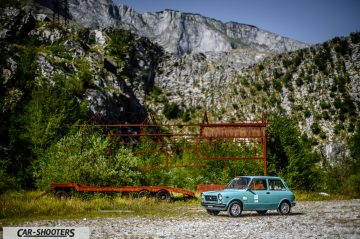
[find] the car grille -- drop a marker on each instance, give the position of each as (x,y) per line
(211,198)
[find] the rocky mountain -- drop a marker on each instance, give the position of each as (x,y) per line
(319,86)
(182,33)
(111,82)
(179,32)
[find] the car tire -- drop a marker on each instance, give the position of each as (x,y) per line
(144,194)
(62,195)
(261,212)
(235,209)
(284,208)
(163,195)
(212,212)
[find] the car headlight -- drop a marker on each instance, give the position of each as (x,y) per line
(219,197)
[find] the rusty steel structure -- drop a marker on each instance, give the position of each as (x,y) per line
(194,145)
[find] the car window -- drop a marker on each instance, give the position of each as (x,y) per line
(258,184)
(276,184)
(238,183)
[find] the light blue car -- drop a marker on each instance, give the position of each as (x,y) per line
(250,193)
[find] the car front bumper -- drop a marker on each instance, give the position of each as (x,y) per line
(214,206)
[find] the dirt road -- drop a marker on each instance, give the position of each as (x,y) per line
(326,219)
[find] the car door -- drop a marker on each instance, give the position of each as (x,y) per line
(277,192)
(257,195)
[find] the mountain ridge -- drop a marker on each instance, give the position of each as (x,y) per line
(179,32)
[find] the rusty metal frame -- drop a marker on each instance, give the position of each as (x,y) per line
(246,141)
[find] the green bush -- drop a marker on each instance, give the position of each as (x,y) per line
(258,86)
(287,79)
(186,116)
(342,47)
(322,57)
(6,181)
(83,157)
(352,183)
(341,83)
(27,66)
(351,186)
(172,111)
(156,91)
(325,105)
(344,176)
(315,128)
(287,62)
(49,114)
(277,85)
(277,73)
(355,37)
(308,79)
(299,82)
(121,42)
(291,156)
(297,60)
(325,115)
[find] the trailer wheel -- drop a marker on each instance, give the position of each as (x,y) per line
(163,195)
(62,195)
(144,194)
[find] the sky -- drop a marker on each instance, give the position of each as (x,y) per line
(309,21)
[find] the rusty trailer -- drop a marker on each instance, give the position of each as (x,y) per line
(162,193)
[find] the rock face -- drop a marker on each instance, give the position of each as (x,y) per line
(182,33)
(179,32)
(319,86)
(200,79)
(115,85)
(15,23)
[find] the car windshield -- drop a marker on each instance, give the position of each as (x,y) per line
(238,183)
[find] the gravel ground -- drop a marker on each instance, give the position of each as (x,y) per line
(325,219)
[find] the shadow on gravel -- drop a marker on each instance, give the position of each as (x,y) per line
(271,214)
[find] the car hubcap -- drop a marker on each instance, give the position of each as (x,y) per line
(284,208)
(235,209)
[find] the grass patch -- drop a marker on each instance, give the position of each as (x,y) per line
(22,206)
(317,196)
(17,207)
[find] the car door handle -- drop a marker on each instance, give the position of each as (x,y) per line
(267,192)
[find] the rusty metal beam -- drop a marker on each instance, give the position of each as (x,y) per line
(230,158)
(209,141)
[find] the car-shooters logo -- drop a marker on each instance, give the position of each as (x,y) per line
(46,232)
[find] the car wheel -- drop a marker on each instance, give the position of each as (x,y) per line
(235,209)
(144,194)
(213,212)
(284,208)
(261,212)
(62,195)
(163,195)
